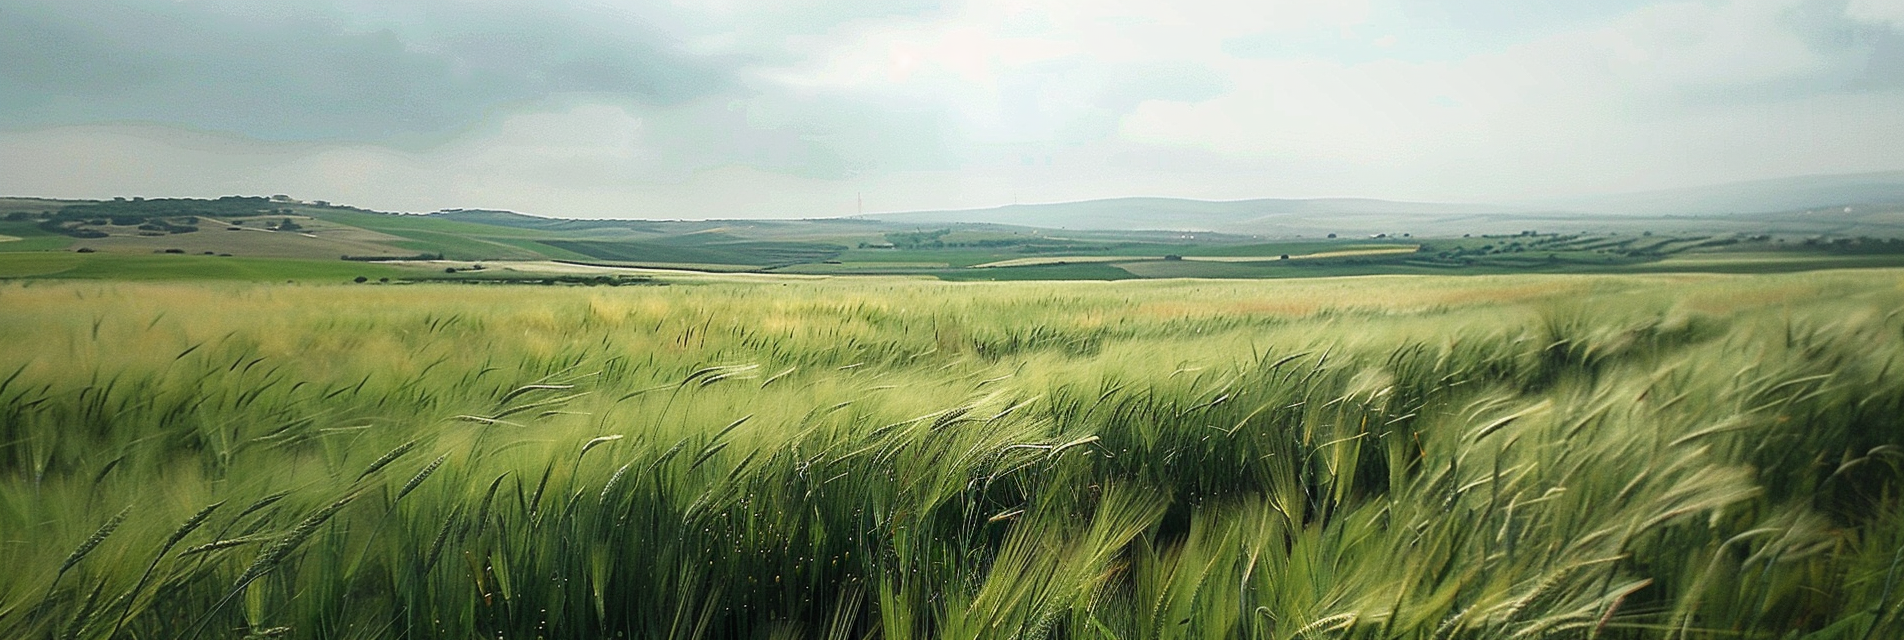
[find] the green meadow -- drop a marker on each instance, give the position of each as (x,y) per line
(105,266)
(1397,457)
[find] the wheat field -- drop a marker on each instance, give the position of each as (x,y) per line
(1377,458)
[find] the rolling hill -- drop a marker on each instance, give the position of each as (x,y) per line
(1796,193)
(1318,218)
(1869,203)
(1276,217)
(1098,239)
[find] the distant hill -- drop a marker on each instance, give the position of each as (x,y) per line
(1757,196)
(1742,206)
(1279,218)
(1093,240)
(1801,209)
(741,229)
(1261,216)
(524,221)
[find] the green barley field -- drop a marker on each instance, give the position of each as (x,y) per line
(1400,457)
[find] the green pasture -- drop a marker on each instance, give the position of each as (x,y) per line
(29,237)
(107,266)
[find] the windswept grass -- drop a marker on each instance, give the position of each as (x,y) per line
(1416,458)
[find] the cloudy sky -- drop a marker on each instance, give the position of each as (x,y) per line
(795,108)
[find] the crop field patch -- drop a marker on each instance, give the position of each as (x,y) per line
(729,253)
(187,267)
(1486,456)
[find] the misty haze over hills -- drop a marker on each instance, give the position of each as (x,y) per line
(1842,204)
(1756,196)
(1748,203)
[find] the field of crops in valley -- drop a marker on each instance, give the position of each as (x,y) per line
(267,239)
(1394,457)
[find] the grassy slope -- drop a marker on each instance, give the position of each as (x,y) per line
(453,239)
(34,240)
(1274,249)
(1084,271)
(685,251)
(1391,457)
(188,267)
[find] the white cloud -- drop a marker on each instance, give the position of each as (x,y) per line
(1640,91)
(982,102)
(1889,12)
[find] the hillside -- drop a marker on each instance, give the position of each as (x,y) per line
(1275,217)
(1797,193)
(1093,240)
(1806,208)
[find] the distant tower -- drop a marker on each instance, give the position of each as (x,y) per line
(859,203)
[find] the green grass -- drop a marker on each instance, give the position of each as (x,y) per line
(108,266)
(953,257)
(453,239)
(1619,456)
(1038,247)
(541,248)
(1274,249)
(1077,271)
(808,247)
(404,225)
(465,247)
(31,238)
(1768,262)
(1198,269)
(727,253)
(44,242)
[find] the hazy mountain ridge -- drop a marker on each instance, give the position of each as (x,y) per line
(1846,204)
(1820,199)
(1749,197)
(1253,216)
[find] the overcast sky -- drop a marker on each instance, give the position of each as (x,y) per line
(797,108)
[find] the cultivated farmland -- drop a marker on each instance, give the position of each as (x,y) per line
(1515,456)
